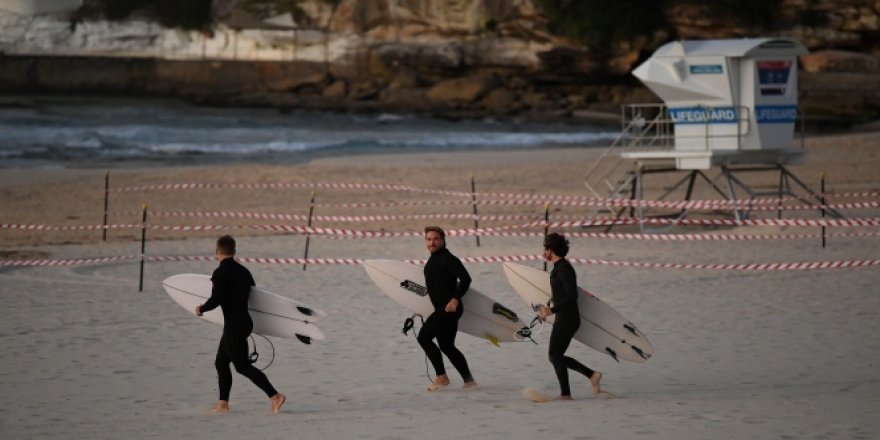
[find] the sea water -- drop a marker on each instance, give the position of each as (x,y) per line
(82,132)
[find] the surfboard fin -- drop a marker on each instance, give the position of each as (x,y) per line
(612,353)
(640,352)
(304,339)
(493,340)
(631,328)
(498,309)
(305,310)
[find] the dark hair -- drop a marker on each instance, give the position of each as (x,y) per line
(436,229)
(226,245)
(557,243)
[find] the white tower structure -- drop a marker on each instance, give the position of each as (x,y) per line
(731,104)
(729,101)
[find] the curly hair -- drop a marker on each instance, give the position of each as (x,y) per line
(557,243)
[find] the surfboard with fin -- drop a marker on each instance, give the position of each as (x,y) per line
(483,317)
(273,314)
(602,328)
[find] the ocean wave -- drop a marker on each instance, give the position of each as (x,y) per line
(154,132)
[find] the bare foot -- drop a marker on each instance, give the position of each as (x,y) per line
(535,395)
(277,400)
(439,382)
(565,397)
(469,385)
(594,380)
(222,407)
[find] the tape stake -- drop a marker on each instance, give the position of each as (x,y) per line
(143,249)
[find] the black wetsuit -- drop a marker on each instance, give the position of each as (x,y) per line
(232,287)
(445,278)
(563,285)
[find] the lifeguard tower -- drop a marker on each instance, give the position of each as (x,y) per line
(727,103)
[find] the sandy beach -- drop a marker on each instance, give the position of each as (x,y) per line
(738,354)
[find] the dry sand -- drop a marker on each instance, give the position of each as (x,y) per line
(784,354)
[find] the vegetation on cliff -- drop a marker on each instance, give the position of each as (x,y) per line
(186,14)
(602,23)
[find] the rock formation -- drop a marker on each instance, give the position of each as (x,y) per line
(457,57)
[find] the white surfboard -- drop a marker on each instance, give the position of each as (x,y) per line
(602,327)
(483,317)
(273,315)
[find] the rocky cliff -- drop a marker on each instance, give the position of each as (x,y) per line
(453,57)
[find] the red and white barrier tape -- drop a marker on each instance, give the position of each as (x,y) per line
(484,232)
(408,188)
(520,199)
(712,237)
(744,202)
(289,185)
(711,222)
(336,218)
(577,221)
(814,265)
(66,261)
(694,205)
(31,227)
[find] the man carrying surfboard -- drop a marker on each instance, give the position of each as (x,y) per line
(563,285)
(447,281)
(232,284)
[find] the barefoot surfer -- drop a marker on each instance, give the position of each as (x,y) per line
(563,284)
(447,281)
(232,286)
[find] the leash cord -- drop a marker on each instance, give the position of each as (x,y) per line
(254,356)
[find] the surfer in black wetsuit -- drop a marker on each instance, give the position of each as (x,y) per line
(563,284)
(232,286)
(447,281)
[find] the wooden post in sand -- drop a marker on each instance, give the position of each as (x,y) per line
(822,199)
(546,226)
(106,202)
(308,236)
(143,248)
(474,199)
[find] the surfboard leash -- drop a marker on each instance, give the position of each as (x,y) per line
(254,356)
(409,324)
(528,332)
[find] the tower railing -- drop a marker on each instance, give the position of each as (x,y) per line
(651,127)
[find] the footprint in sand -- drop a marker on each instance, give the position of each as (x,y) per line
(539,397)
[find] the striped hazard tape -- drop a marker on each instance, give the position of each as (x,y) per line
(694,205)
(338,218)
(814,265)
(414,189)
(338,233)
(757,204)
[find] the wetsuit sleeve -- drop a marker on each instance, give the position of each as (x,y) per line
(568,278)
(464,278)
(216,293)
(250,278)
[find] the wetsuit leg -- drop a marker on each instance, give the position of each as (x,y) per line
(236,348)
(428,332)
(560,339)
(446,340)
(224,374)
